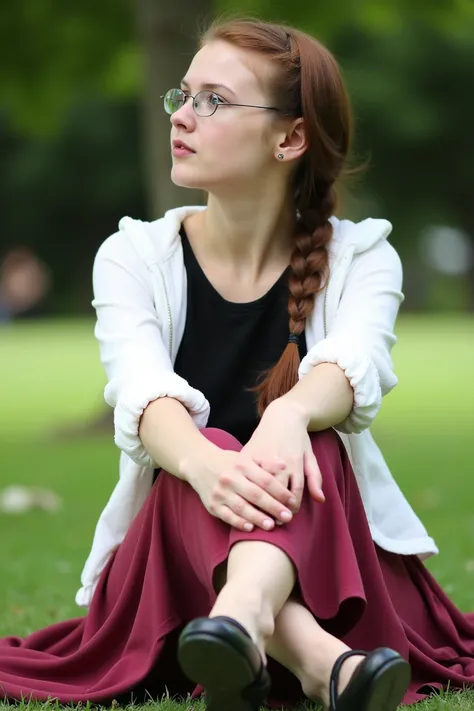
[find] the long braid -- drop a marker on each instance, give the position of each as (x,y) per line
(309,267)
(309,260)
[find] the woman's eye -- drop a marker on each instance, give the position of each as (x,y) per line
(215,100)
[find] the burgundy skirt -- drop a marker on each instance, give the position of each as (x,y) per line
(161,577)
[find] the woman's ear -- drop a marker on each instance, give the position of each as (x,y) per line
(294,144)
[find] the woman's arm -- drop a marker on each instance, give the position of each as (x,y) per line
(157,413)
(344,377)
(136,360)
(231,485)
(324,397)
(171,438)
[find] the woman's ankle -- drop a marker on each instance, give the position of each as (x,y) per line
(315,685)
(250,610)
(308,651)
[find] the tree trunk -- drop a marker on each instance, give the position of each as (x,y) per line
(470,290)
(168,36)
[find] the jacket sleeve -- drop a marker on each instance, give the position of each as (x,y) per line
(129,331)
(362,335)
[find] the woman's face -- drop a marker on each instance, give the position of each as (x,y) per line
(236,146)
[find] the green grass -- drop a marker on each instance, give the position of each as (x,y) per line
(51,376)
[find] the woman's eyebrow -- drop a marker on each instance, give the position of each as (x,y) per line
(209,86)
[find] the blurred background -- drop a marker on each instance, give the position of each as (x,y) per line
(84,141)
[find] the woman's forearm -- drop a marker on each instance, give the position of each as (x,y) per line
(324,396)
(170,436)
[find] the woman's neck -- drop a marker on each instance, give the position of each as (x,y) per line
(250,234)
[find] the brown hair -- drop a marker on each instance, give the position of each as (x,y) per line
(306,82)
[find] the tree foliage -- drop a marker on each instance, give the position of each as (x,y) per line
(80,120)
(51,52)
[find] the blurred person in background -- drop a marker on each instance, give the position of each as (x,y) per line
(255,533)
(24,283)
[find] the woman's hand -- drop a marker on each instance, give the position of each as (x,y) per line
(234,488)
(281,446)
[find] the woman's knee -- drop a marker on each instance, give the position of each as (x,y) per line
(221,438)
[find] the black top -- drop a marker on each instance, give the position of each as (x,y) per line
(227,345)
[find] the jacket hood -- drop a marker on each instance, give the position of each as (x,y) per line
(362,235)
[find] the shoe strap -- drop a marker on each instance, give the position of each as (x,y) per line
(334,680)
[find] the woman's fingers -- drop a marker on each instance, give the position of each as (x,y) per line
(273,465)
(266,491)
(232,519)
(240,514)
(270,484)
(290,474)
(252,494)
(313,476)
(297,482)
(263,505)
(277,467)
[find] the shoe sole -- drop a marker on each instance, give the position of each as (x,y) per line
(217,666)
(389,686)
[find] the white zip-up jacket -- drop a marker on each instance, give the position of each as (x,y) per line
(140,285)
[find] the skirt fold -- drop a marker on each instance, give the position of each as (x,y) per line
(162,575)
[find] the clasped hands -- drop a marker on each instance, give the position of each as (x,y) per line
(263,484)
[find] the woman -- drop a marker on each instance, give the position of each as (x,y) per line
(269,546)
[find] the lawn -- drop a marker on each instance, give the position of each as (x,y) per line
(51,377)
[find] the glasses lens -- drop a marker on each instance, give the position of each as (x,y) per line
(206,103)
(174,100)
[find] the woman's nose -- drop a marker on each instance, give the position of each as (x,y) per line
(185,116)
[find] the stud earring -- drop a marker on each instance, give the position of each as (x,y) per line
(281,156)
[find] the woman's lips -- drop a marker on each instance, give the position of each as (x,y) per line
(181,150)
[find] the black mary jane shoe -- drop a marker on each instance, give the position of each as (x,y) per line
(378,684)
(219,654)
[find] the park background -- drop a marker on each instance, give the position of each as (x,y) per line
(84,141)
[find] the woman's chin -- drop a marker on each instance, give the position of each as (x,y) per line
(183,179)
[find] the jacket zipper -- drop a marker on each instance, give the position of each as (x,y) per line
(325,319)
(168,312)
(325,316)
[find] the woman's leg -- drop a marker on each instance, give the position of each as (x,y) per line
(254,579)
(259,578)
(255,590)
(303,647)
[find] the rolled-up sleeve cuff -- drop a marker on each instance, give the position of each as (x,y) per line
(137,395)
(84,595)
(361,373)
